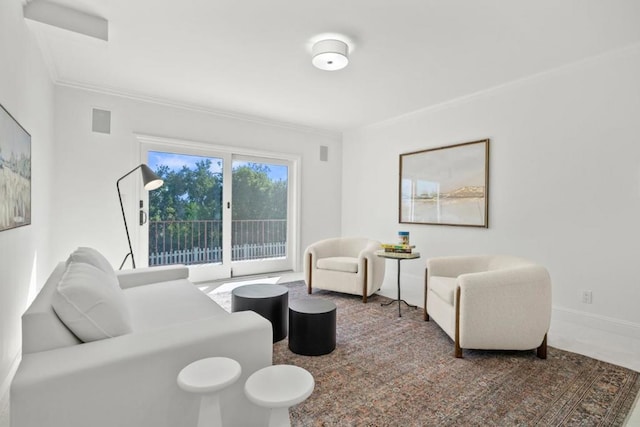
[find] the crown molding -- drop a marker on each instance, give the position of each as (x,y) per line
(196,108)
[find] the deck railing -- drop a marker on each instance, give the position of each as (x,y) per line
(200,242)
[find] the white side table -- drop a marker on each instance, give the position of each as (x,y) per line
(278,387)
(207,377)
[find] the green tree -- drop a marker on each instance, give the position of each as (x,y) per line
(251,191)
(187,194)
(196,195)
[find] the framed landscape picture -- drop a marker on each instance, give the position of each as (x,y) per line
(446,185)
(15,173)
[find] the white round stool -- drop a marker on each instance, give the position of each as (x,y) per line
(207,377)
(278,387)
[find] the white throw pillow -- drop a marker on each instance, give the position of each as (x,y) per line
(90,303)
(93,257)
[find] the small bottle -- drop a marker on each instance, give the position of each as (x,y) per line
(403,238)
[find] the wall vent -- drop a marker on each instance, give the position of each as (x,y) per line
(324,153)
(101,121)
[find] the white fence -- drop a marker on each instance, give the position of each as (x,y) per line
(214,255)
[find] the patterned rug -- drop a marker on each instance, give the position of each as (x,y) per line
(391,371)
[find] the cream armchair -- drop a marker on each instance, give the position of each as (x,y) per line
(344,264)
(489,302)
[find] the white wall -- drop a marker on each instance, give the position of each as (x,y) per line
(564,186)
(86,210)
(27,93)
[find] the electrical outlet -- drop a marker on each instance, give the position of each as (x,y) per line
(587,297)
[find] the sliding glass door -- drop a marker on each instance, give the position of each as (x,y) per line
(186,215)
(260,211)
(220,213)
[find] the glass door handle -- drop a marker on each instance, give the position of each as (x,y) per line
(143,217)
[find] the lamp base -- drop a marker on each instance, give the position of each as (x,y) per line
(133,263)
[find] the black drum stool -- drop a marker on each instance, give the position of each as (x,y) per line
(312,326)
(269,301)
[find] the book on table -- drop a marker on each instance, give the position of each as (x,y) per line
(398,254)
(398,249)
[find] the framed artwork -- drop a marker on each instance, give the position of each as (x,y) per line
(446,185)
(15,173)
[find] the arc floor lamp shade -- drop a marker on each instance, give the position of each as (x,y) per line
(150,181)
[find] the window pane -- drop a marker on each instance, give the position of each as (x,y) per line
(259,211)
(185,214)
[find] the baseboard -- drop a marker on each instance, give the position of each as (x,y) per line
(6,382)
(605,338)
(596,321)
(600,337)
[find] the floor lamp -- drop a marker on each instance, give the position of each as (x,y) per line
(151,181)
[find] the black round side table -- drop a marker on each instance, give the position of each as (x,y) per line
(312,326)
(269,301)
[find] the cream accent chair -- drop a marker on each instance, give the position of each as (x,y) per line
(344,264)
(489,302)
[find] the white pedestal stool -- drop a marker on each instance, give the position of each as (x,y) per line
(278,387)
(207,377)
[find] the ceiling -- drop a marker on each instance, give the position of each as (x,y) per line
(252,57)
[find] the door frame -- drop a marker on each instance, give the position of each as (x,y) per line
(197,273)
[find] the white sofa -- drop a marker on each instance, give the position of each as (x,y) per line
(344,264)
(130,379)
(489,302)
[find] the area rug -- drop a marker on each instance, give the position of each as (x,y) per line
(400,371)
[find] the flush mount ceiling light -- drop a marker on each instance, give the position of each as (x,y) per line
(330,55)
